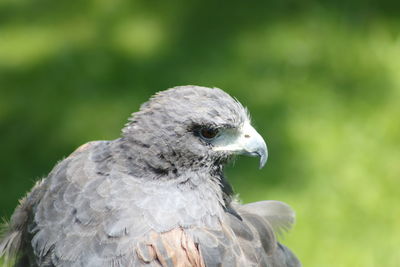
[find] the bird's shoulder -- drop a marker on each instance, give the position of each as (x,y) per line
(92,211)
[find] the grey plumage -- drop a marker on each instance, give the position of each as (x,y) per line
(156,196)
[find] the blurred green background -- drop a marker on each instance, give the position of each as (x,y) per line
(321,79)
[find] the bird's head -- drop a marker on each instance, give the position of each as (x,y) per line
(193,127)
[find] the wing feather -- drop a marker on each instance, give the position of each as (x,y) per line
(279,215)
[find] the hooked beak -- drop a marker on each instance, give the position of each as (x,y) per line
(246,142)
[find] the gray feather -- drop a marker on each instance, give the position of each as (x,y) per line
(10,244)
(279,215)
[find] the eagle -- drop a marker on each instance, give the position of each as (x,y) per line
(156,196)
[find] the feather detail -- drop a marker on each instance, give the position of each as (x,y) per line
(10,244)
(279,215)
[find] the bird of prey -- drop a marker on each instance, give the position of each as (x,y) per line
(156,196)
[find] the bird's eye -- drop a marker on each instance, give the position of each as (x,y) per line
(208,133)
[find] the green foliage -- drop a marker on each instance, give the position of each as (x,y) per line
(320,79)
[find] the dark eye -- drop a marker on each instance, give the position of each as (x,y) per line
(208,133)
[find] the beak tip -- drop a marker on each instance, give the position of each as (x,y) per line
(263,160)
(263,157)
